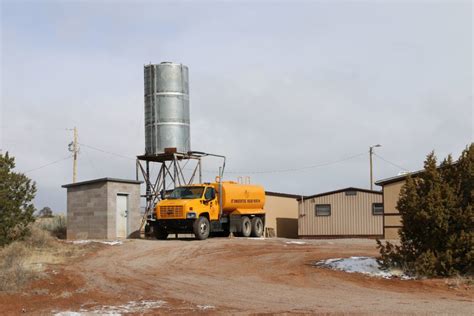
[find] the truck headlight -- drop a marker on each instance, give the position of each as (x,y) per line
(191,215)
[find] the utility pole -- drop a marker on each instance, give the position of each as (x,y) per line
(371,152)
(74,148)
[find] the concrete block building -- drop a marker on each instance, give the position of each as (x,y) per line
(105,208)
(345,213)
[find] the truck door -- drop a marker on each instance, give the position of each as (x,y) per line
(210,197)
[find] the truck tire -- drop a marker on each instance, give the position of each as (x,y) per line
(246,228)
(257,227)
(160,233)
(201,228)
(147,230)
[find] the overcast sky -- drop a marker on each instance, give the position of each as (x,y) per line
(274,85)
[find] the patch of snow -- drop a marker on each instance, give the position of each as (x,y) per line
(296,242)
(205,307)
(130,307)
(364,265)
(112,243)
(106,242)
(80,242)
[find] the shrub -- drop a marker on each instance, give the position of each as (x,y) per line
(55,225)
(59,229)
(15,258)
(437,234)
(39,238)
(16,209)
(13,273)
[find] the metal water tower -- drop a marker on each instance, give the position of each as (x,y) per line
(167,133)
(166,108)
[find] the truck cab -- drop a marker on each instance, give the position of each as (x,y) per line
(199,209)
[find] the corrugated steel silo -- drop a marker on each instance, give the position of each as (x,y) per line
(166,108)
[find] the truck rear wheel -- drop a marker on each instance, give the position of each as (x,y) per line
(257,227)
(246,228)
(201,228)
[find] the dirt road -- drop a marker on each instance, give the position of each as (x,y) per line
(237,276)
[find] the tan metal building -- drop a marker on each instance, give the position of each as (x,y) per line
(391,188)
(281,218)
(345,213)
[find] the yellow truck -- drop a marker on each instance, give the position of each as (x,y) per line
(218,208)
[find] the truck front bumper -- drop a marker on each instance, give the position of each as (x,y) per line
(174,225)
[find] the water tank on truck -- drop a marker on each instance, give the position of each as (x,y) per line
(240,197)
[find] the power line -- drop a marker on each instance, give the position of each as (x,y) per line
(300,168)
(393,164)
(107,152)
(34,128)
(49,164)
(90,161)
(249,172)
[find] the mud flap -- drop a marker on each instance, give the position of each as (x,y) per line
(235,223)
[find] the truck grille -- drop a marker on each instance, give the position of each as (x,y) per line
(171,211)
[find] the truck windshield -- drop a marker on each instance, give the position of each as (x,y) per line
(187,193)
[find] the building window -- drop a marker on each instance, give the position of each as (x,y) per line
(322,209)
(352,192)
(377,209)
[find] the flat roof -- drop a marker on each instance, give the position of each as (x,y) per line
(101,180)
(339,191)
(402,177)
(287,195)
(398,178)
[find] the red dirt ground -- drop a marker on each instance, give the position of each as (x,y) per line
(231,276)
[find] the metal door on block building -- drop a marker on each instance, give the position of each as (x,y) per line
(121,216)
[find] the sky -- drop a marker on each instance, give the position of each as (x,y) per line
(274,85)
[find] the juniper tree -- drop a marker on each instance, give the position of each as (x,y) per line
(16,209)
(460,178)
(45,212)
(437,231)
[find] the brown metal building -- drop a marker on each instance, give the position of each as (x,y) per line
(345,213)
(281,218)
(391,188)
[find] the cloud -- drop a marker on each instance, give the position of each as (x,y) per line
(273,86)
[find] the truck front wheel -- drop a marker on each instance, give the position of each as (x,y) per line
(257,227)
(201,228)
(246,228)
